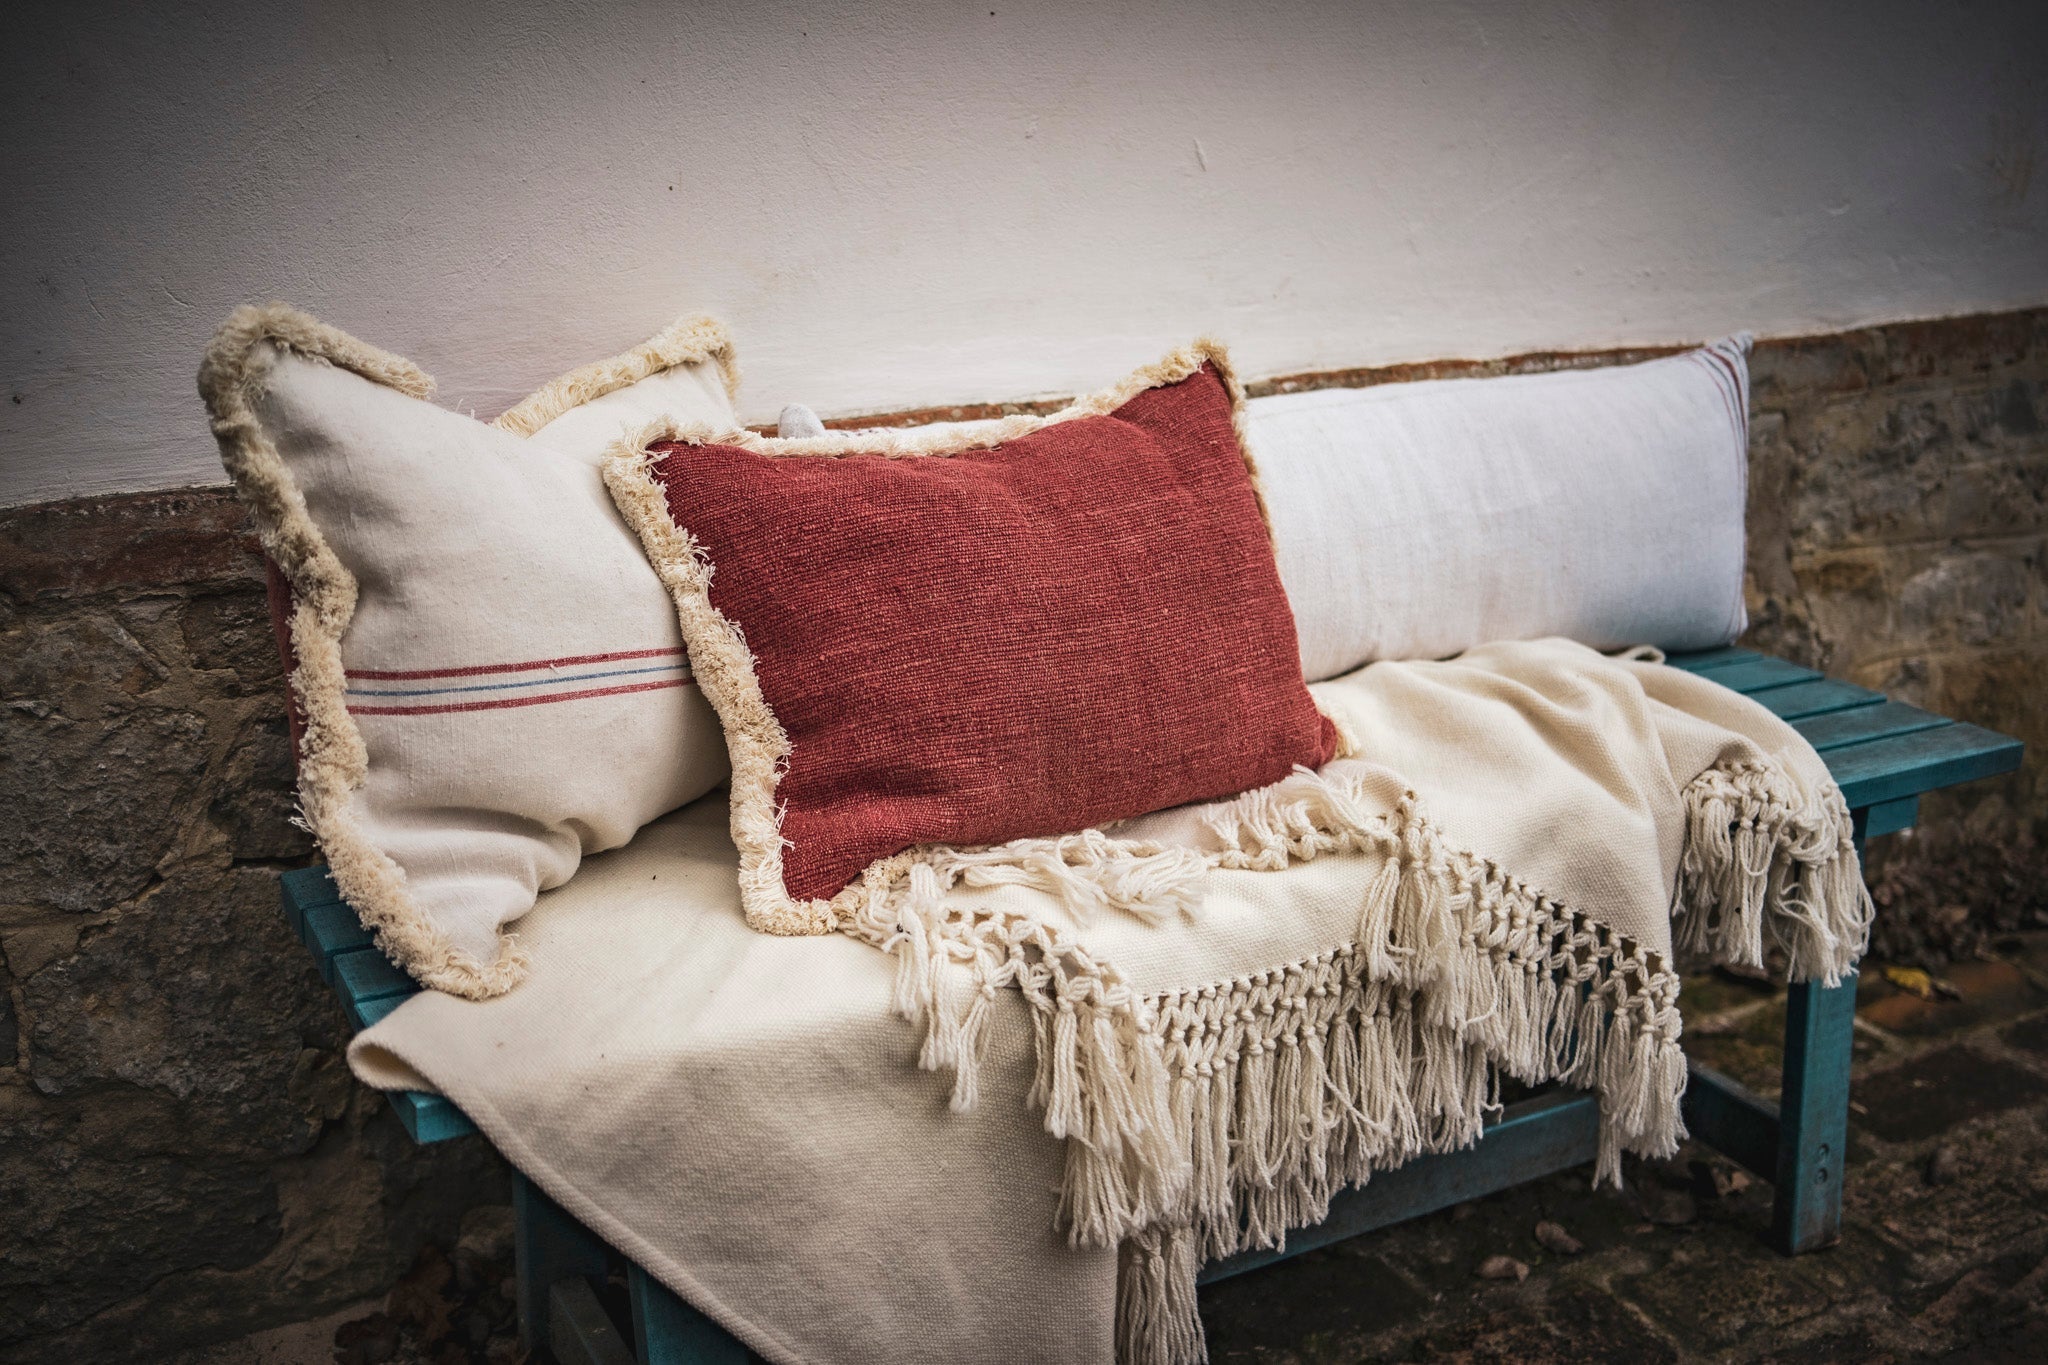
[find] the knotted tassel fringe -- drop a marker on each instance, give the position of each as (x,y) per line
(1760,860)
(1204,1122)
(1100,1076)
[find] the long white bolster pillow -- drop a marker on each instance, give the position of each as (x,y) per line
(1415,521)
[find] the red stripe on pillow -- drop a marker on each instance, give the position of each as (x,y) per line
(478,670)
(501,703)
(1080,625)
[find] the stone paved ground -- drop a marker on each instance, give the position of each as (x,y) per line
(1944,1251)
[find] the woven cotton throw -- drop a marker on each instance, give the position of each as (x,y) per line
(1347,964)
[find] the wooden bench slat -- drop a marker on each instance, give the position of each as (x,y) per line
(310,887)
(1797,701)
(366,974)
(553,1246)
(429,1118)
(1887,769)
(301,889)
(369,986)
(1732,1119)
(1860,725)
(370,1012)
(330,930)
(1700,660)
(1883,754)
(1754,675)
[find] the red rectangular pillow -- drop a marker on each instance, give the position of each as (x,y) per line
(938,640)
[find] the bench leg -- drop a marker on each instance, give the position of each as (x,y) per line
(1813,1111)
(668,1331)
(1800,1143)
(1813,1115)
(552,1246)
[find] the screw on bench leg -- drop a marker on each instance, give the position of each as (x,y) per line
(552,1246)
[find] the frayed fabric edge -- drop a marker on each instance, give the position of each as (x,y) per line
(333,761)
(692,340)
(947,439)
(1204,1122)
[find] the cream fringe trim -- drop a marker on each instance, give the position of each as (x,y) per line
(690,341)
(722,663)
(1208,1121)
(332,759)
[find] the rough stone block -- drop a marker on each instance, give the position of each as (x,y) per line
(201,995)
(96,804)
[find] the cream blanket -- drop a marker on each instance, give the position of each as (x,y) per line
(1139,1050)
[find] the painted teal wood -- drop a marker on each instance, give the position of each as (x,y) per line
(1887,769)
(364,1013)
(1886,720)
(1534,1138)
(1754,675)
(1731,1118)
(330,930)
(429,1118)
(551,1246)
(373,1011)
(300,890)
(1798,701)
(367,974)
(579,1330)
(1813,1116)
(370,988)
(310,886)
(1887,817)
(1700,660)
(668,1331)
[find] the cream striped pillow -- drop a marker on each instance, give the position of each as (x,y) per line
(489,674)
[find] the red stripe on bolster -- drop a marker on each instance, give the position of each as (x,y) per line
(1735,392)
(476,670)
(1719,372)
(515,701)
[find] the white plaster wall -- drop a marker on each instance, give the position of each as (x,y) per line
(929,202)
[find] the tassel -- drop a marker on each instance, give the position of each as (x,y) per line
(1204,1122)
(1757,860)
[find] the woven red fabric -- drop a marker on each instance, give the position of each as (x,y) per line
(1077,626)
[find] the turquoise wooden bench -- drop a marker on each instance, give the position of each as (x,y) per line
(1883,753)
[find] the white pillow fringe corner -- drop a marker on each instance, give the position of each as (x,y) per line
(1208,1121)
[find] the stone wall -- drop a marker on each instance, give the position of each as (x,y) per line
(183,1156)
(1898,524)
